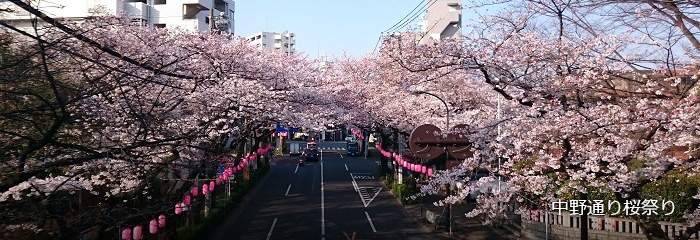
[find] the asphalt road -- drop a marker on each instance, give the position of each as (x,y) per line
(333,199)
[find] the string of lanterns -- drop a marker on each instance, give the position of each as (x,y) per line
(136,233)
(400,161)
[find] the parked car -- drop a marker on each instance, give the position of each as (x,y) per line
(486,187)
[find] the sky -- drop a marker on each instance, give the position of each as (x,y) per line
(336,27)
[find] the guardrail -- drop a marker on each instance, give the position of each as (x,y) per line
(566,226)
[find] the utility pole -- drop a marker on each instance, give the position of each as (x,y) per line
(211,20)
(447,156)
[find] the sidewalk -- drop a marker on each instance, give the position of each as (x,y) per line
(464,228)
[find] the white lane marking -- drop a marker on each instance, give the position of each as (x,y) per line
(346,167)
(365,195)
(273,227)
(287,193)
(341,156)
(295,170)
(354,184)
(323,205)
(370,222)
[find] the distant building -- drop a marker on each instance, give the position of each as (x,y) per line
(285,41)
(189,15)
(324,63)
(442,20)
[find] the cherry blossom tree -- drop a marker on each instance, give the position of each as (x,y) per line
(583,109)
(112,110)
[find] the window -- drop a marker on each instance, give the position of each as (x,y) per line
(160,1)
(159,25)
(190,11)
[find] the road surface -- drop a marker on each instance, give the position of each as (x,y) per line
(336,198)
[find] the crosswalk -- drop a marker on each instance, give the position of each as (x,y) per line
(332,148)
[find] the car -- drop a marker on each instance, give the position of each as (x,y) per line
(352,148)
(311,155)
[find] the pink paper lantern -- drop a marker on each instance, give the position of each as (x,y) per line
(424,170)
(212,184)
(138,232)
(178,208)
(205,189)
(126,234)
(153,226)
(187,200)
(195,191)
(161,221)
(218,181)
(430,172)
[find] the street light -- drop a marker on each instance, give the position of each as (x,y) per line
(447,108)
(447,156)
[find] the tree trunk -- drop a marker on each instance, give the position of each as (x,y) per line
(652,229)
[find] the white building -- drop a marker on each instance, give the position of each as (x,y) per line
(443,20)
(189,15)
(285,41)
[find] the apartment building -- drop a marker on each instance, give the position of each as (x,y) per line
(188,15)
(442,20)
(285,41)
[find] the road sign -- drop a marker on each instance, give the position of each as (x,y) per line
(421,133)
(458,133)
(427,142)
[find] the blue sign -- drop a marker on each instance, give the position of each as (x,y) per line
(280,128)
(220,169)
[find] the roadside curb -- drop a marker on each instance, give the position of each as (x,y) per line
(408,213)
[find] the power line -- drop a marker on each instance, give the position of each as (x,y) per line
(378,40)
(431,28)
(414,16)
(409,13)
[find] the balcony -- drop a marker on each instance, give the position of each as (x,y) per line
(136,10)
